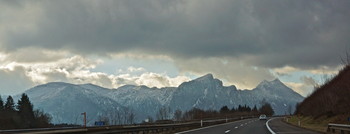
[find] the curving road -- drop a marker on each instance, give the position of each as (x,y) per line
(248,126)
(251,126)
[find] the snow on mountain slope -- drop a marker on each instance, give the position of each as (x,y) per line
(209,93)
(66,101)
(142,100)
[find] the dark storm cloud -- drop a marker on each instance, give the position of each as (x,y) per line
(269,33)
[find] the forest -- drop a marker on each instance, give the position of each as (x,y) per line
(21,115)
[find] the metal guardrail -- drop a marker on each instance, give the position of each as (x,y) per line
(338,128)
(154,128)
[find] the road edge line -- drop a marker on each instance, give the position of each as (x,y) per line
(268,127)
(191,130)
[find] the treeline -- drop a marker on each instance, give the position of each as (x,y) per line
(21,115)
(330,99)
(164,113)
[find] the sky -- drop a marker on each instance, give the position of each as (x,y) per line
(161,43)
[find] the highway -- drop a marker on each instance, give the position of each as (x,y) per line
(247,126)
(251,126)
(279,127)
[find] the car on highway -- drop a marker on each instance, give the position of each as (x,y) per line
(262,117)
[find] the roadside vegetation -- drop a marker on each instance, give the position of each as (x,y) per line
(21,115)
(224,112)
(329,103)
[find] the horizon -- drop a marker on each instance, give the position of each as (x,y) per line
(155,87)
(163,44)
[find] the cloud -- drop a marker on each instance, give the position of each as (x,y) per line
(16,77)
(321,70)
(241,42)
(300,88)
(264,33)
(14,81)
(34,55)
(309,81)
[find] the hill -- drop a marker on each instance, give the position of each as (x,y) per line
(330,99)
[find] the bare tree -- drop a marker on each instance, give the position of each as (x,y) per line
(128,116)
(150,119)
(178,115)
(131,117)
(289,109)
(345,60)
(163,113)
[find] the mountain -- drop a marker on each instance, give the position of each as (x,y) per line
(142,100)
(66,101)
(209,93)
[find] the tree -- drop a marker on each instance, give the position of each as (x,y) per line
(128,116)
(1,104)
(42,119)
(10,104)
(163,113)
(224,110)
(266,109)
(233,110)
(25,110)
(240,108)
(178,115)
(289,109)
(255,110)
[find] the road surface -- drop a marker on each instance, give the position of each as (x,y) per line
(280,127)
(248,126)
(251,126)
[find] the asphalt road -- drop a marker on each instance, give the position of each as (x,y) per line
(279,127)
(248,126)
(251,126)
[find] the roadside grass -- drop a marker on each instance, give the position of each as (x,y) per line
(319,124)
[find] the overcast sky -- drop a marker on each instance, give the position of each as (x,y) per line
(166,42)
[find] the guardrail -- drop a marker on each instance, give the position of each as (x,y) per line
(338,128)
(154,128)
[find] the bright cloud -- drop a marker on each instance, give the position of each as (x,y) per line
(77,69)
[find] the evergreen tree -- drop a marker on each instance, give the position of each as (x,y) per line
(25,110)
(239,108)
(1,104)
(233,110)
(10,104)
(224,109)
(255,110)
(266,109)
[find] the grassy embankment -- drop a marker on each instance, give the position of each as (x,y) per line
(318,124)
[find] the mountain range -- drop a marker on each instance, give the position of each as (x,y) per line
(65,102)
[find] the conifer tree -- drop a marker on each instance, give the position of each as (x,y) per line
(25,110)
(1,104)
(10,104)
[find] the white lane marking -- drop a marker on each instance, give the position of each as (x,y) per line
(192,130)
(268,127)
(241,124)
(236,127)
(227,131)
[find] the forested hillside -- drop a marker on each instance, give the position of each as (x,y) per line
(330,99)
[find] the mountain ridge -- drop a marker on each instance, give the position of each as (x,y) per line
(205,92)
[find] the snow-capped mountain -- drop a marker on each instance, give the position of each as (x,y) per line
(209,93)
(66,101)
(142,100)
